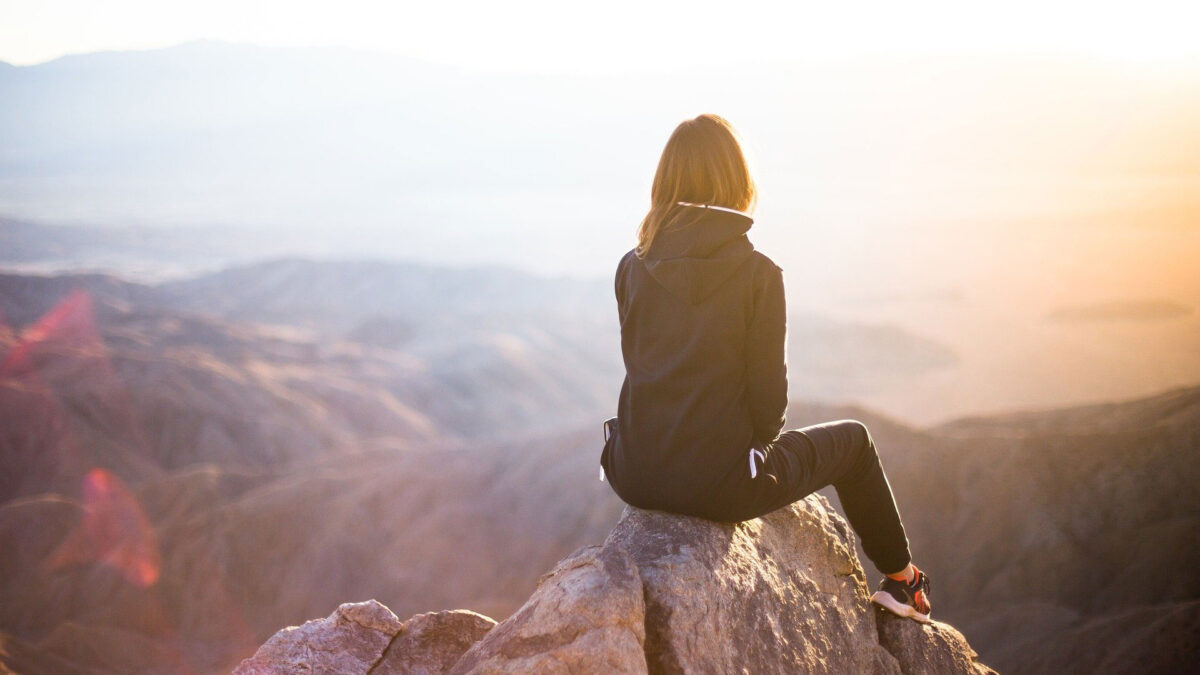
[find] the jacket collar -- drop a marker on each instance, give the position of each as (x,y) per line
(698,231)
(697,250)
(714,207)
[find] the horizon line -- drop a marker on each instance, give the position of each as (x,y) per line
(982,55)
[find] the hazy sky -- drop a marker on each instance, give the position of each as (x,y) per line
(616,35)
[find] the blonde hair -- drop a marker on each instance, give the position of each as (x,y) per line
(703,163)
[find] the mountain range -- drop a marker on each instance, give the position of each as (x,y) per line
(189,466)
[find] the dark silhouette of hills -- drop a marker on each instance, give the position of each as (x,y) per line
(1065,540)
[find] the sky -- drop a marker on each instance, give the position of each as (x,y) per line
(615,36)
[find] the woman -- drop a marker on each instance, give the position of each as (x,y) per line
(702,406)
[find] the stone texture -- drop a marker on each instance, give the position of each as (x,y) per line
(778,594)
(431,643)
(366,637)
(663,594)
(933,648)
(351,640)
(587,614)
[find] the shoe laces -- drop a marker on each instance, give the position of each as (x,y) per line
(920,582)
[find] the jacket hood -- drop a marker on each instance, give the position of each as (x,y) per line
(697,250)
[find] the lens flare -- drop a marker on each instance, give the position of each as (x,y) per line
(114,532)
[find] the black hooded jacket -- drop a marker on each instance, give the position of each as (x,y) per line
(702,333)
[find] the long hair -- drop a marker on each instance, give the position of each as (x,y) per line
(703,163)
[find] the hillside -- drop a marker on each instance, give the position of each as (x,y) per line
(177,484)
(1035,524)
(1093,512)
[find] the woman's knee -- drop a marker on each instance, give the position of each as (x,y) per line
(859,435)
(862,446)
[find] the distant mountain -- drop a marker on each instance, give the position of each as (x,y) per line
(192,387)
(1035,525)
(837,360)
(151,253)
(182,483)
(494,324)
(235,441)
(334,297)
(1065,540)
(141,393)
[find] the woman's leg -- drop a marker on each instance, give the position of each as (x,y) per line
(842,454)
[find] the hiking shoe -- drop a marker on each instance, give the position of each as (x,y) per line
(904,599)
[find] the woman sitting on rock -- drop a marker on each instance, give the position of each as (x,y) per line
(703,323)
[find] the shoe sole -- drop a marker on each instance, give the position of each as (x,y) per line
(886,601)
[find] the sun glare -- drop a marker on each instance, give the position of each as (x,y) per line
(541,35)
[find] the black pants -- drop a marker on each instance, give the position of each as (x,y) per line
(841,454)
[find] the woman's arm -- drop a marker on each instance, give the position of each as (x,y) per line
(619,281)
(766,361)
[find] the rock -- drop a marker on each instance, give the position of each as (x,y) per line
(586,614)
(935,648)
(366,637)
(432,643)
(783,593)
(664,594)
(351,640)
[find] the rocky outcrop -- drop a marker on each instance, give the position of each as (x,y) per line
(588,612)
(366,637)
(664,594)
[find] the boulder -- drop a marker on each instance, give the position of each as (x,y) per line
(366,637)
(664,594)
(588,613)
(432,643)
(934,648)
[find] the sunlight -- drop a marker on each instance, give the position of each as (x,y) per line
(543,35)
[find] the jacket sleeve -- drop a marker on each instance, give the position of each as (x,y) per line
(766,360)
(619,281)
